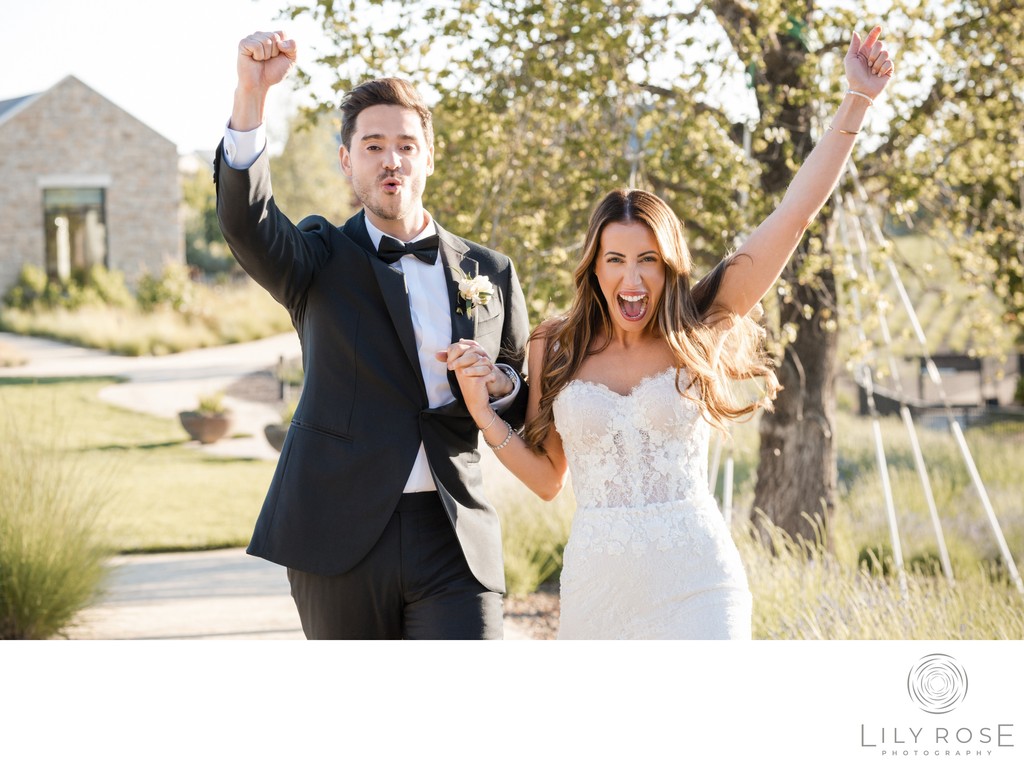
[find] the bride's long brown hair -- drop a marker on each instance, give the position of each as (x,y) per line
(713,347)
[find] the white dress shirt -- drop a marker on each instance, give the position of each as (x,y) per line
(243,147)
(432,326)
(428,304)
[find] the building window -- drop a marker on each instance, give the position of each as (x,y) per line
(76,231)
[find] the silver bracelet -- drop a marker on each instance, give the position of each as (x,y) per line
(494,416)
(862,95)
(504,444)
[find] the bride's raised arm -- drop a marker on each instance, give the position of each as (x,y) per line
(748,279)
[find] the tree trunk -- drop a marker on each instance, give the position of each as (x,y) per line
(796,477)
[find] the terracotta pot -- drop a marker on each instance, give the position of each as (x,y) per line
(275,433)
(206,428)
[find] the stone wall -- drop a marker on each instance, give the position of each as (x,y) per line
(72,133)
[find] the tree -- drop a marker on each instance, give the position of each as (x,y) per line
(966,184)
(542,105)
(307,174)
(205,247)
(307,179)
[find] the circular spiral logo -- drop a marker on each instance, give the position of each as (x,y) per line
(937,683)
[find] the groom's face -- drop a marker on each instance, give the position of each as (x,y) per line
(388,162)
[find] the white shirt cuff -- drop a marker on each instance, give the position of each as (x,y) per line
(502,404)
(243,147)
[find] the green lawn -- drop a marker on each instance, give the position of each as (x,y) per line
(167,495)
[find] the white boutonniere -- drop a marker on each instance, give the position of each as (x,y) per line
(474,291)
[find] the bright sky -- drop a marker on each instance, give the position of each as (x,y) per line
(171,65)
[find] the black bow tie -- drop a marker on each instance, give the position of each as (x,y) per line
(390,249)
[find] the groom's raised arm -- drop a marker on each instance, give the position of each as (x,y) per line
(264,59)
(279,256)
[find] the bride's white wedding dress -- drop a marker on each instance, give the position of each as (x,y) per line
(649,554)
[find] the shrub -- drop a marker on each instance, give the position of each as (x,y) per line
(108,286)
(172,289)
(533,535)
(96,286)
(212,404)
(51,554)
(212,260)
(29,290)
(214,316)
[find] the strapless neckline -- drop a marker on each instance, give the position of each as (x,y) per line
(643,382)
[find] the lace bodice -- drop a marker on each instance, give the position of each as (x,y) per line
(649,554)
(644,448)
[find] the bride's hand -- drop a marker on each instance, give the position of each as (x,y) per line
(474,371)
(868,65)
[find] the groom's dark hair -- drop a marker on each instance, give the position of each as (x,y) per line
(388,90)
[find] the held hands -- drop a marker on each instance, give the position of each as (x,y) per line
(264,59)
(478,378)
(868,66)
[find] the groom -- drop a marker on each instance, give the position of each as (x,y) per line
(376,506)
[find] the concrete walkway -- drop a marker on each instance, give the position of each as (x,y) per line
(222,594)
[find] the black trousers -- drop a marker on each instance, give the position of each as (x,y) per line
(414,584)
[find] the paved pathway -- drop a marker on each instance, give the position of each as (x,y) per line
(222,594)
(200,595)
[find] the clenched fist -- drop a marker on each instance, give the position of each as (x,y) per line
(264,59)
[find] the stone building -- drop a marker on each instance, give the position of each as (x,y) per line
(84,182)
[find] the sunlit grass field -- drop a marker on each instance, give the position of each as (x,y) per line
(849,587)
(860,520)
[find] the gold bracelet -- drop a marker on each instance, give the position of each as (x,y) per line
(504,444)
(844,132)
(862,95)
(494,416)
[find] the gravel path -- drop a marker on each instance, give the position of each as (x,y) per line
(535,614)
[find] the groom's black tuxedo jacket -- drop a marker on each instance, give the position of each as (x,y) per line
(363,410)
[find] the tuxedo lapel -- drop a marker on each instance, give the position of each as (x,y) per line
(392,286)
(456,263)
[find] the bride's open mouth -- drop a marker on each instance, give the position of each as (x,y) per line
(633,305)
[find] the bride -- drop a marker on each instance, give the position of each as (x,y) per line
(625,388)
